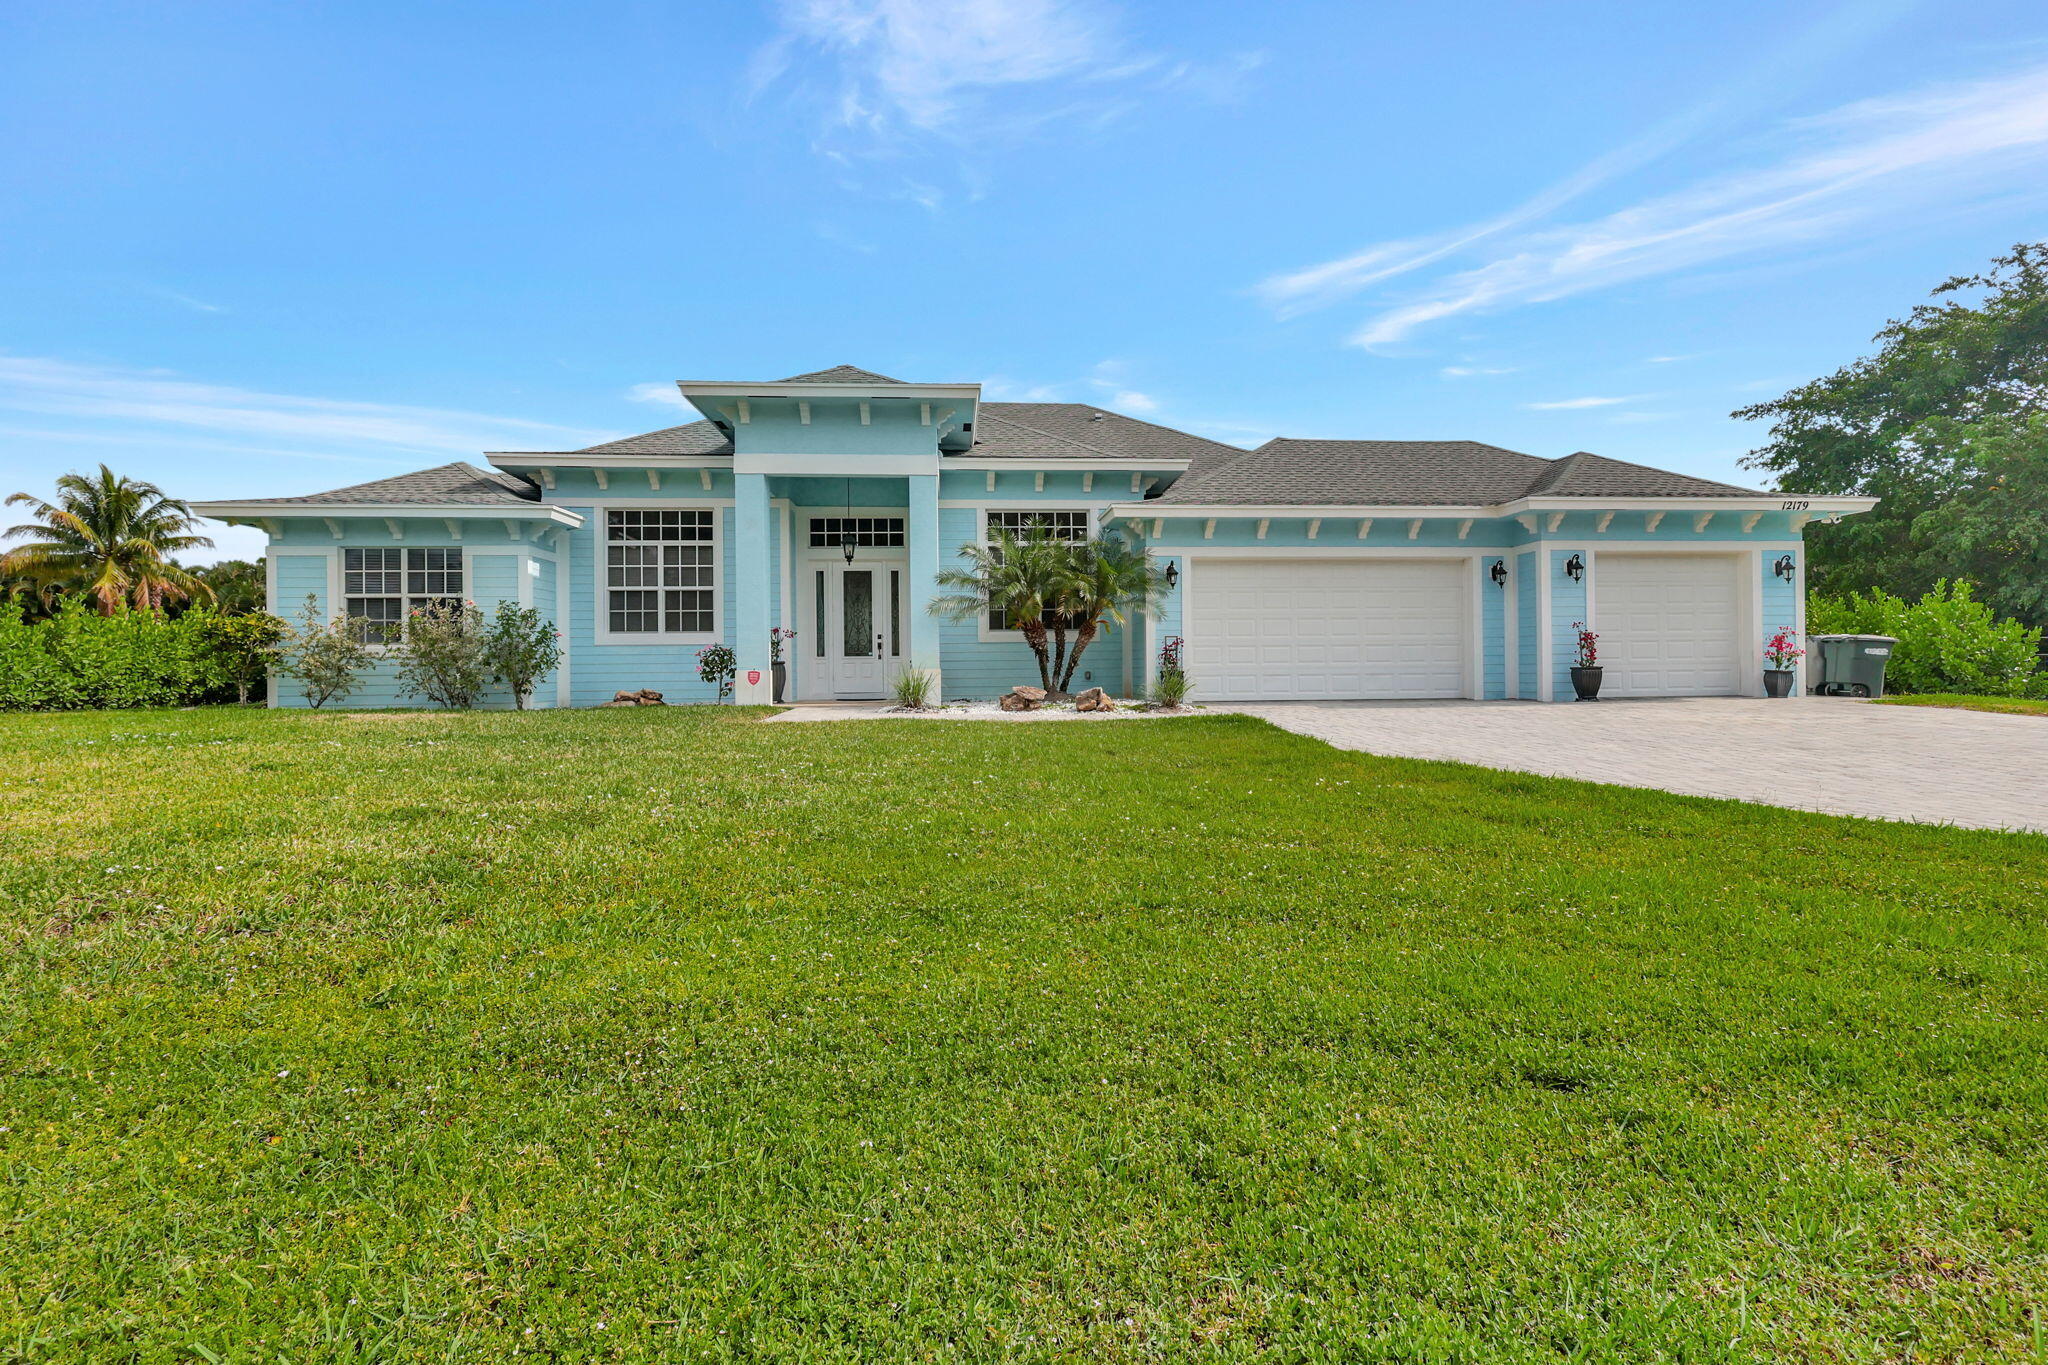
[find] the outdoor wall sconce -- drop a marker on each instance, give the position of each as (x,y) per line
(1499,573)
(1575,569)
(1172,576)
(1784,567)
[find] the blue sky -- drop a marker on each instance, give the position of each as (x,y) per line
(267,249)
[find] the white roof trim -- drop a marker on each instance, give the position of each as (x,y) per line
(727,388)
(1130,464)
(1765,502)
(524,459)
(498,511)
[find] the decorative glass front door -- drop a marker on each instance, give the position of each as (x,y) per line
(860,614)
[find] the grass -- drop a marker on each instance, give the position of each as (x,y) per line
(2017,706)
(658,1035)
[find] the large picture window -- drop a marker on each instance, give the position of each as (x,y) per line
(380,585)
(660,574)
(1068,524)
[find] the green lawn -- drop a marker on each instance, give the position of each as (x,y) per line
(662,1035)
(2018,706)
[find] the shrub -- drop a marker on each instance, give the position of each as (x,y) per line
(1948,641)
(912,688)
(78,659)
(325,656)
(443,655)
(1170,687)
(521,648)
(715,664)
(243,647)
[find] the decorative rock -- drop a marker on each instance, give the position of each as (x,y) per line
(649,697)
(646,696)
(1029,693)
(1016,701)
(1094,699)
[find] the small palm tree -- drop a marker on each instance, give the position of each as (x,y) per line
(1018,578)
(1106,580)
(111,537)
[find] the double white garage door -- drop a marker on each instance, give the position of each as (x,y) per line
(1326,629)
(1335,629)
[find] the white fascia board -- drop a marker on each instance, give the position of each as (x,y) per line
(1745,502)
(1076,463)
(533,511)
(521,459)
(726,388)
(1145,511)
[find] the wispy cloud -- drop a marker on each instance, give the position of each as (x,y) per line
(114,404)
(1853,170)
(1107,383)
(667,395)
(888,74)
(1299,291)
(181,299)
(1469,371)
(1668,359)
(1572,404)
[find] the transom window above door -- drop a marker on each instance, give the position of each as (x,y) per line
(868,532)
(381,584)
(660,571)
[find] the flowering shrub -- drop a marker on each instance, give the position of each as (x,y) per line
(443,655)
(1169,654)
(716,664)
(1589,646)
(1170,688)
(776,637)
(521,649)
(326,657)
(1781,649)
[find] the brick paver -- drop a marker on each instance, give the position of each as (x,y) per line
(1951,767)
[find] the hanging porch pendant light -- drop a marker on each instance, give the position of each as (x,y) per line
(846,525)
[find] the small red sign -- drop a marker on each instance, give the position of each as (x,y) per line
(753,677)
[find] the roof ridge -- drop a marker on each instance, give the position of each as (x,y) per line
(1051,436)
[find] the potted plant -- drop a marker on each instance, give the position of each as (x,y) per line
(776,639)
(1586,672)
(1781,655)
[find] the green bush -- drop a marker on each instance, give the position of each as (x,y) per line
(1948,641)
(80,660)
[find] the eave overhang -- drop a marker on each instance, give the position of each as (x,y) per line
(1765,502)
(341,511)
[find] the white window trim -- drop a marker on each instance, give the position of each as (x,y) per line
(601,633)
(983,632)
(337,583)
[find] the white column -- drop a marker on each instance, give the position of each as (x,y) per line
(922,582)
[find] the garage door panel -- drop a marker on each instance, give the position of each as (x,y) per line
(1670,625)
(1326,629)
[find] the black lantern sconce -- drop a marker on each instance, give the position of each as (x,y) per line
(1172,575)
(1575,569)
(1784,568)
(1499,573)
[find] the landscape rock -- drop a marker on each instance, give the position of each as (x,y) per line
(646,696)
(1029,693)
(1015,701)
(1094,699)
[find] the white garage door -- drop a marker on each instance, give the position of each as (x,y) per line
(1326,629)
(1670,625)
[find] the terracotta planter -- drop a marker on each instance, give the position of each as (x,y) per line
(1586,682)
(1778,682)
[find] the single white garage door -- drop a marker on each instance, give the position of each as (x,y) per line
(1326,629)
(1670,625)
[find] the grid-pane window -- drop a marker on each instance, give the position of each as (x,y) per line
(380,585)
(659,571)
(877,532)
(1060,523)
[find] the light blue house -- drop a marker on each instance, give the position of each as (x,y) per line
(827,503)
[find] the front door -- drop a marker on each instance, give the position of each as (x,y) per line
(859,628)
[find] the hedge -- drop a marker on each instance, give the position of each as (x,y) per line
(79,660)
(1948,641)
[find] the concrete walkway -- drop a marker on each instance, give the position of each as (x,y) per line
(1971,768)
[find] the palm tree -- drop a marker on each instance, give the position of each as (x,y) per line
(1106,580)
(111,537)
(1015,577)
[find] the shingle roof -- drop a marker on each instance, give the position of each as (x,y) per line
(691,438)
(458,484)
(1290,472)
(841,374)
(1586,475)
(1079,431)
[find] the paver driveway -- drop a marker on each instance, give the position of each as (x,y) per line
(1849,758)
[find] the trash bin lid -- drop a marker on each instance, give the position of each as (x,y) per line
(1874,639)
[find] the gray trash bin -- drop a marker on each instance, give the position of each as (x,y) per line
(1852,665)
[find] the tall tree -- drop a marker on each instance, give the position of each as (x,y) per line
(1948,424)
(110,537)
